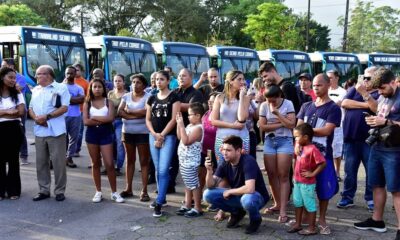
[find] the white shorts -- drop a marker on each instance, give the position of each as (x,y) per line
(337,144)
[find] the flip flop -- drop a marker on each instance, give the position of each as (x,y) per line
(125,194)
(294,230)
(144,197)
(324,230)
(14,197)
(306,232)
(271,210)
(220,216)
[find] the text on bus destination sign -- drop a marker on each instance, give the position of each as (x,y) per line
(54,36)
(125,44)
(342,58)
(232,53)
(386,59)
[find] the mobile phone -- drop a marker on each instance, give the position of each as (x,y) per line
(360,79)
(366,114)
(209,155)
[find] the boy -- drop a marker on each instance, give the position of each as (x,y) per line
(189,153)
(309,163)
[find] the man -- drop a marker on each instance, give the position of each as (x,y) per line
(83,83)
(173,82)
(305,82)
(337,94)
(50,100)
(214,85)
(22,87)
(187,95)
(384,162)
(359,99)
(98,73)
(245,188)
(323,115)
(268,74)
(73,119)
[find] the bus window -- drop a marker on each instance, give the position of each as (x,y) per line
(346,70)
(73,55)
(38,54)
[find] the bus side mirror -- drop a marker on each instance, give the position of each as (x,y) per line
(323,65)
(164,59)
(219,62)
(103,52)
(21,50)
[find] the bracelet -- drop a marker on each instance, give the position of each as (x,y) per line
(242,121)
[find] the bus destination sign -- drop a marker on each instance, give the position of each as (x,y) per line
(341,58)
(233,53)
(53,36)
(387,59)
(125,44)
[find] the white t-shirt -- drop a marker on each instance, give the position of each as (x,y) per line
(8,103)
(337,95)
(284,109)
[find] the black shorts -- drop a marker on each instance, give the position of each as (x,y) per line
(203,160)
(135,139)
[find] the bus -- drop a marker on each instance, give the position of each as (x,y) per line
(32,47)
(390,61)
(347,64)
(121,55)
(178,55)
(226,58)
(288,63)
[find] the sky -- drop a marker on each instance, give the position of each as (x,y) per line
(327,13)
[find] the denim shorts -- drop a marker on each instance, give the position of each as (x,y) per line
(100,135)
(304,196)
(274,145)
(384,168)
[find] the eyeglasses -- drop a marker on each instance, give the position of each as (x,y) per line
(367,78)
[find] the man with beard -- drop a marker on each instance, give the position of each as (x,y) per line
(214,85)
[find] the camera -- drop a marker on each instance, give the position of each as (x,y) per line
(373,136)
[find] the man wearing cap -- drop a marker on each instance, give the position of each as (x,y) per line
(305,82)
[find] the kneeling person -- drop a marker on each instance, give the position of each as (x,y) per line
(246,188)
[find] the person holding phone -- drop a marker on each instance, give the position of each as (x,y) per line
(359,102)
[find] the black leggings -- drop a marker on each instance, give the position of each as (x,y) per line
(10,143)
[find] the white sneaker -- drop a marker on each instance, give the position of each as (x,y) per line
(24,161)
(117,198)
(97,197)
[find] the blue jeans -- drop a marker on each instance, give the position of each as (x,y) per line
(252,203)
(80,136)
(73,125)
(119,147)
(162,161)
(23,151)
(355,152)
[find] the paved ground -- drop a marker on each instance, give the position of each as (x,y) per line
(78,218)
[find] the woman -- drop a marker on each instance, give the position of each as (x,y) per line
(229,114)
(12,108)
(161,112)
(115,96)
(98,115)
(135,134)
(277,119)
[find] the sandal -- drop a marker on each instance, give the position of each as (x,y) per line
(271,210)
(144,197)
(306,232)
(324,230)
(294,229)
(14,197)
(220,216)
(283,219)
(126,194)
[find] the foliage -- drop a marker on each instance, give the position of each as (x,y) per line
(124,32)
(19,14)
(373,29)
(318,35)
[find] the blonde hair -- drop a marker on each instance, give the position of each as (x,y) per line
(231,76)
(258,83)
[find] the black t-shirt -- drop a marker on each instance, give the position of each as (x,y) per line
(161,112)
(290,93)
(206,90)
(246,169)
(188,95)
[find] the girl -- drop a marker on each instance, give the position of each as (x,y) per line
(277,119)
(12,108)
(161,112)
(98,115)
(189,152)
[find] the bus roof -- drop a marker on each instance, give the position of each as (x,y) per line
(334,57)
(232,52)
(381,58)
(13,34)
(287,55)
(179,48)
(97,42)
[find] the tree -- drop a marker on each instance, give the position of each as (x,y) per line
(319,35)
(18,14)
(272,27)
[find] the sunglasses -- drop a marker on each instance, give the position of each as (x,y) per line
(367,78)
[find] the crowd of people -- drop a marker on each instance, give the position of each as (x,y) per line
(209,132)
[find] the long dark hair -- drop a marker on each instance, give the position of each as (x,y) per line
(13,90)
(90,96)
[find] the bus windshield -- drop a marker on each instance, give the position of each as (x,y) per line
(289,70)
(346,70)
(248,66)
(128,62)
(58,57)
(395,68)
(197,64)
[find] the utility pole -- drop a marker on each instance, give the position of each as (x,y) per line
(308,25)
(346,22)
(81,21)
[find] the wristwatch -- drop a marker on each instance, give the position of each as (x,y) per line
(48,116)
(366,98)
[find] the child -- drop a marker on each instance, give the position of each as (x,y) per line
(189,153)
(309,163)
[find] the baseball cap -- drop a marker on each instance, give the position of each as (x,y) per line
(306,75)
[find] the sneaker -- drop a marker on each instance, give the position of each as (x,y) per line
(70,163)
(117,198)
(397,235)
(370,206)
(118,172)
(371,224)
(192,213)
(253,226)
(153,204)
(181,211)
(24,161)
(97,197)
(345,203)
(235,218)
(157,211)
(76,154)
